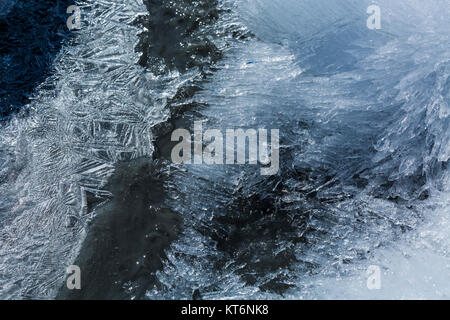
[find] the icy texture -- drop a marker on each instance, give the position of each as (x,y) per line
(98,108)
(6,6)
(364,124)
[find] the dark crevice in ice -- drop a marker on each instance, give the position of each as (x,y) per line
(135,222)
(178,35)
(127,238)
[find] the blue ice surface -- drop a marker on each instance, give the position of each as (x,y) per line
(32,35)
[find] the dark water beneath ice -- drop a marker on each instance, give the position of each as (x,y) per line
(32,35)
